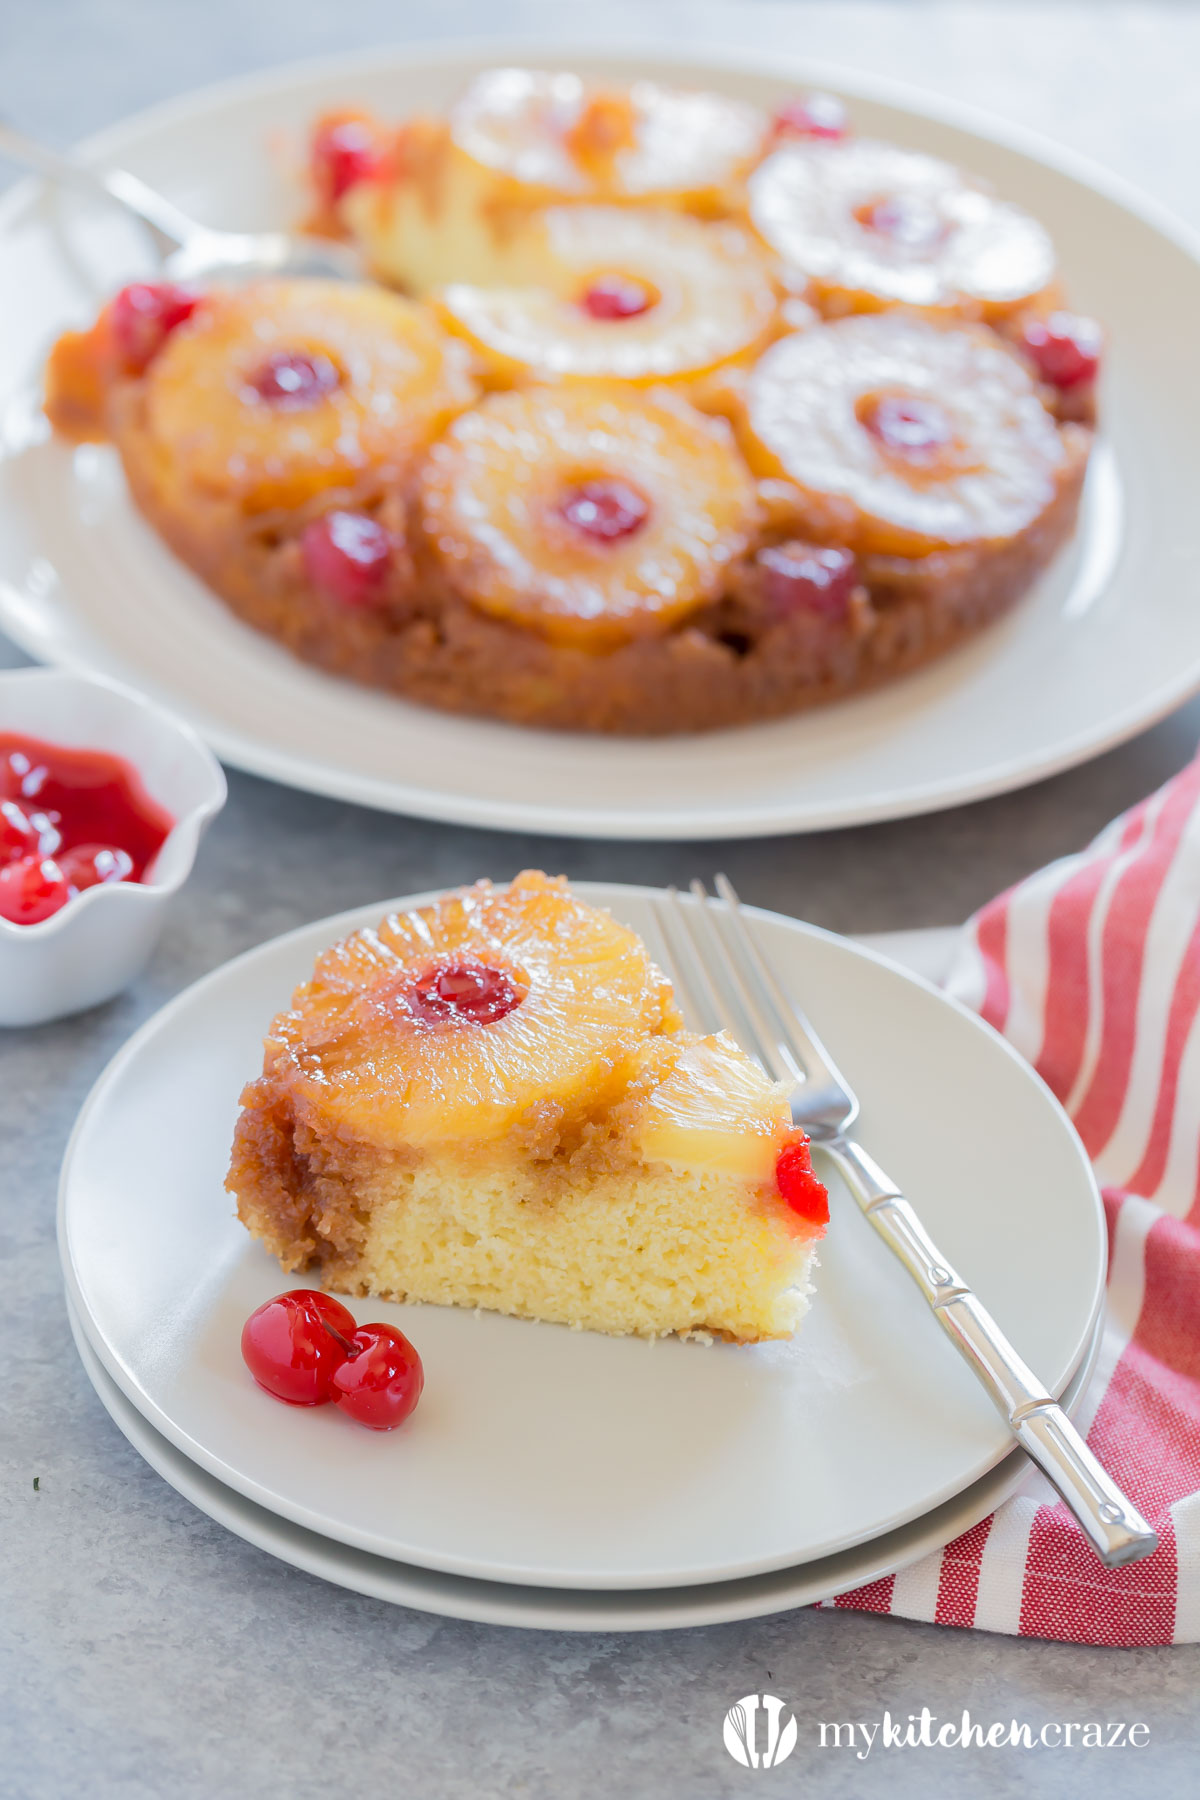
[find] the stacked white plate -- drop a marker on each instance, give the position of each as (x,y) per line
(563,1479)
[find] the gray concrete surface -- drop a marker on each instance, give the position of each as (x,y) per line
(146,1653)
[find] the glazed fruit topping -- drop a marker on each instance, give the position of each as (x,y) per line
(381,1379)
(812,116)
(908,425)
(605,510)
(294,378)
(69,820)
(617,297)
(305,1348)
(344,152)
(142,318)
(1065,348)
(804,1192)
(801,577)
(465,991)
(347,556)
(909,220)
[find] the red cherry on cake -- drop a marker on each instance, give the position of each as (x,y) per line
(909,425)
(1065,348)
(347,556)
(94,865)
(380,1381)
(294,378)
(344,152)
(294,1344)
(812,116)
(804,1192)
(907,219)
(144,315)
(465,991)
(605,510)
(815,578)
(31,888)
(617,297)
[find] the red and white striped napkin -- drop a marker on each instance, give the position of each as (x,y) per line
(1091,968)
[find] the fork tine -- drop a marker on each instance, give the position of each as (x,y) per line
(698,996)
(694,971)
(795,1034)
(774,1048)
(736,1018)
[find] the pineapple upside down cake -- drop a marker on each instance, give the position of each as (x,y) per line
(659,412)
(492,1102)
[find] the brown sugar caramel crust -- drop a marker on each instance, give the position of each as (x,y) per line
(727,664)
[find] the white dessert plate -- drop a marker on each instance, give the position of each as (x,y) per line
(1108,642)
(555,1458)
(562,1609)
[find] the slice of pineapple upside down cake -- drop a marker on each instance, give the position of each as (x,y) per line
(492,1102)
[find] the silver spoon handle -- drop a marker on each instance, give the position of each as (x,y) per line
(1114,1527)
(169,227)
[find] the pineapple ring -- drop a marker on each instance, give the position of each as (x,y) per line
(357,1052)
(871,226)
(382,381)
(554,132)
(594,514)
(699,295)
(902,437)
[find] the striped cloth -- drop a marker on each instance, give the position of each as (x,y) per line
(1091,968)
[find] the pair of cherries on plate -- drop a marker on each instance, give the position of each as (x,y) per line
(305,1348)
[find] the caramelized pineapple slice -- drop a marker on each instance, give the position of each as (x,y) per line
(484,1014)
(629,294)
(900,437)
(715,1110)
(865,225)
(591,514)
(574,140)
(275,393)
(461,195)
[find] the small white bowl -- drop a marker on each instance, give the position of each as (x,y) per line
(94,946)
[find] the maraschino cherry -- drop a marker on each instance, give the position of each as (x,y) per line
(617,297)
(31,888)
(801,577)
(605,510)
(305,1348)
(1065,348)
(803,1190)
(294,378)
(909,425)
(812,116)
(347,556)
(92,865)
(380,1381)
(344,152)
(469,991)
(142,318)
(294,1344)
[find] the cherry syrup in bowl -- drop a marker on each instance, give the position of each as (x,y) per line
(104,798)
(70,819)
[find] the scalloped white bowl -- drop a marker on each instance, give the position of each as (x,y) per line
(95,945)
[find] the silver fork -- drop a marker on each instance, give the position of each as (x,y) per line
(188,251)
(722,959)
